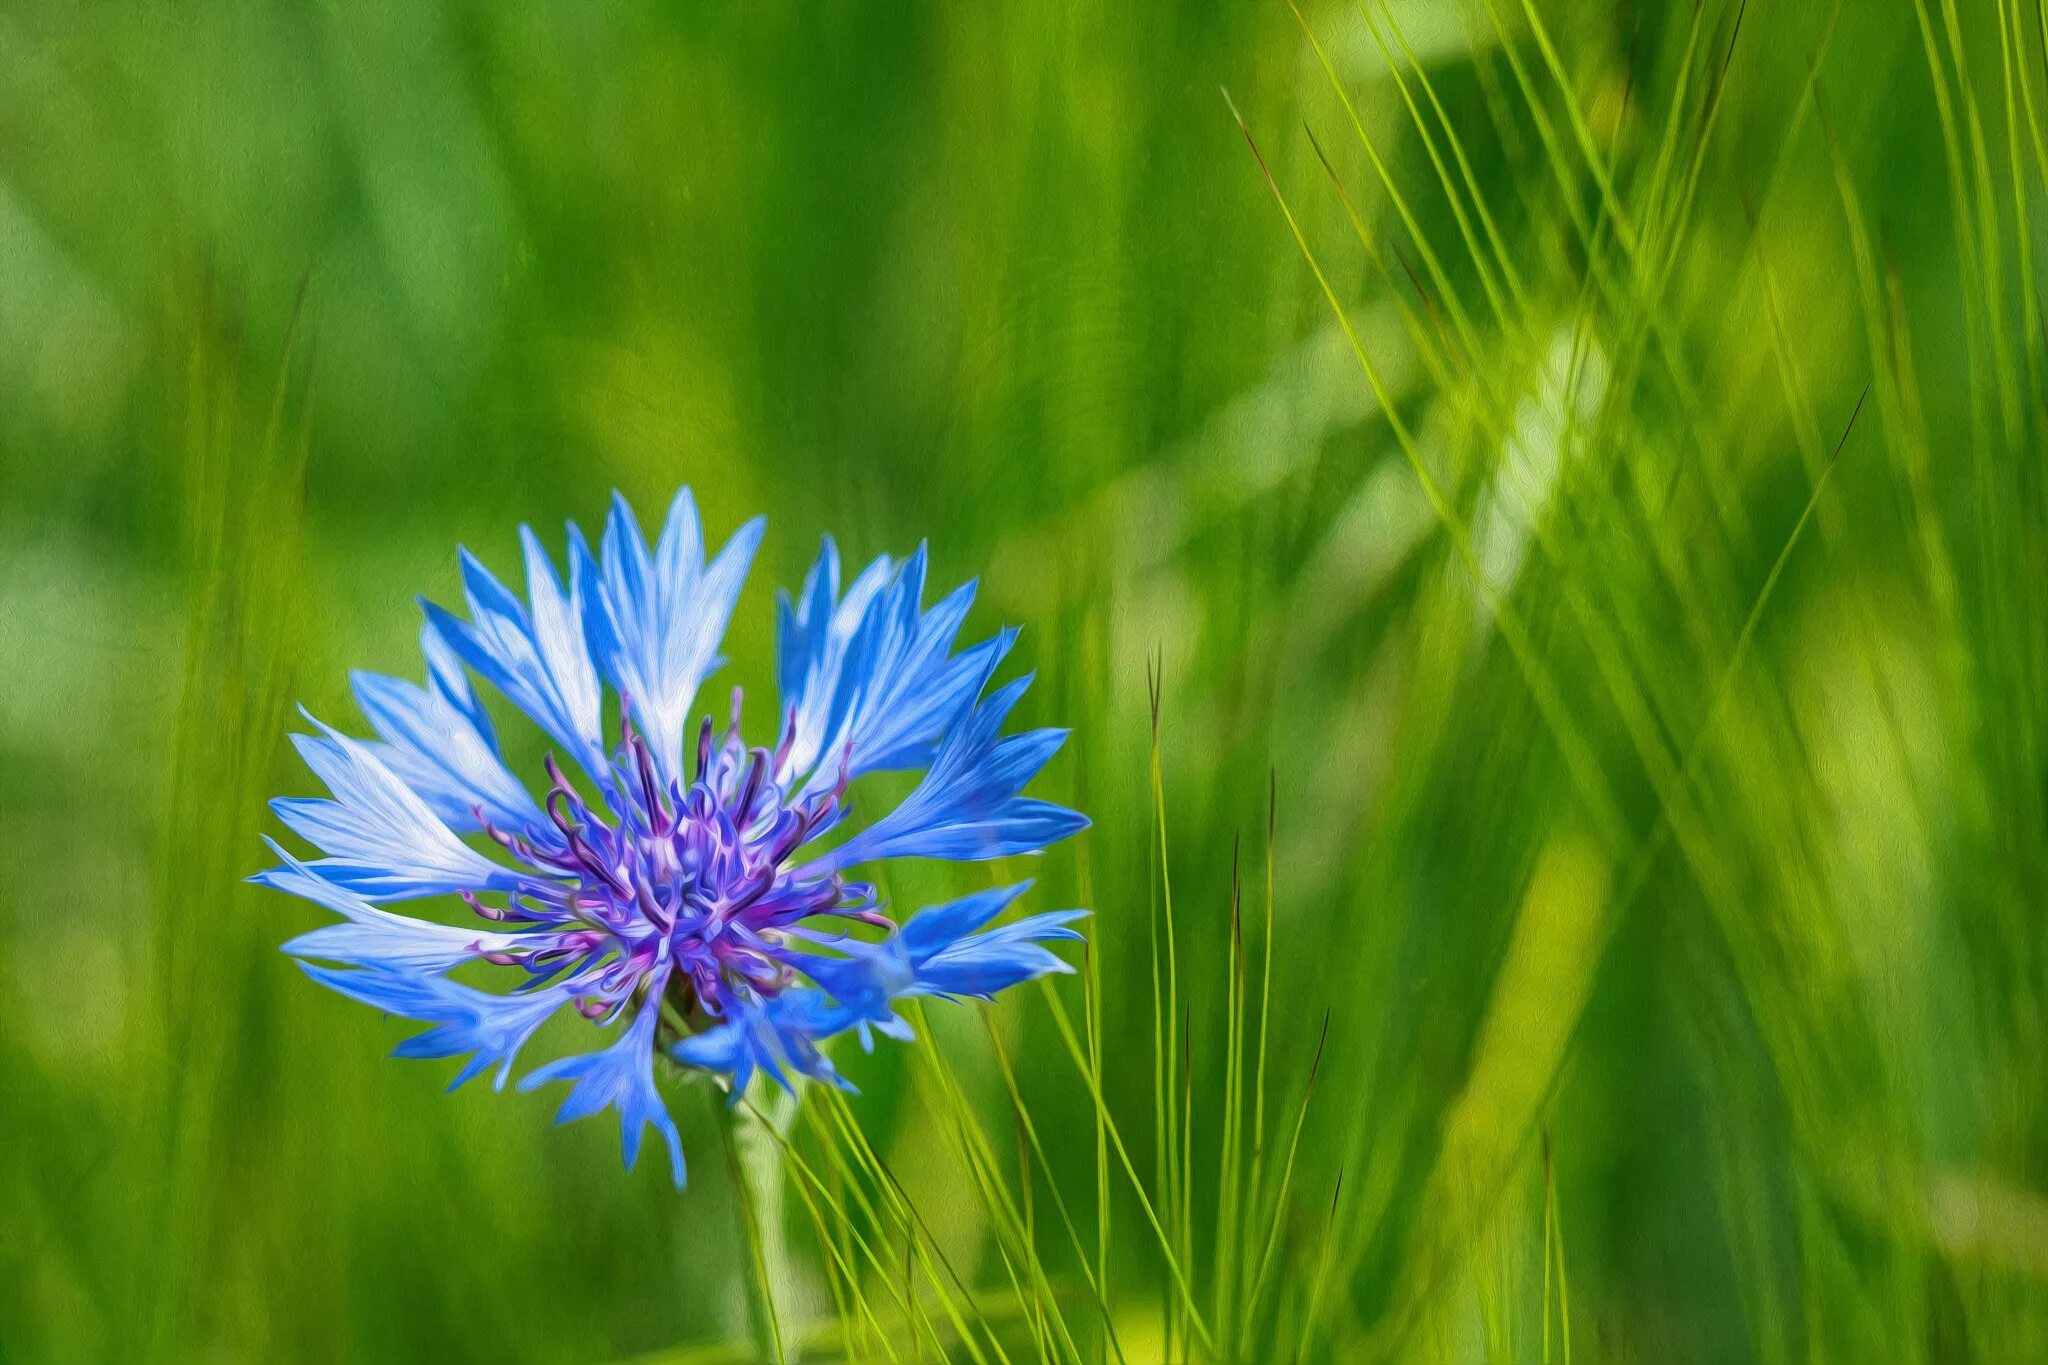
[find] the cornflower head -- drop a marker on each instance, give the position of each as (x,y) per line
(673,884)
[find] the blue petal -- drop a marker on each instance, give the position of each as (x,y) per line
(994,961)
(655,620)
(867,981)
(904,732)
(967,807)
(812,636)
(775,1037)
(939,927)
(939,952)
(466,1021)
(536,658)
(382,841)
(435,748)
(873,677)
(621,1077)
(372,936)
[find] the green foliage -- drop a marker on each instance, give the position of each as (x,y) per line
(1536,512)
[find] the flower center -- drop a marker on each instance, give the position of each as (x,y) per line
(699,877)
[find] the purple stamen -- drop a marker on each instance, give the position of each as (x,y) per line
(743,808)
(788,740)
(489,912)
(703,748)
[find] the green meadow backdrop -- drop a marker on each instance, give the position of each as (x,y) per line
(1540,533)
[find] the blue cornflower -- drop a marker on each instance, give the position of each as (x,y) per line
(680,894)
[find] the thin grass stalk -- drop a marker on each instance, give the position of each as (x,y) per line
(1594,788)
(1436,349)
(1014,1236)
(843,1276)
(1320,1280)
(1091,1005)
(1255,1177)
(1173,1190)
(1037,1147)
(1229,1157)
(1280,1196)
(1026,1198)
(1650,306)
(919,1247)
(1582,133)
(1166,1246)
(1461,322)
(884,1274)
(897,1285)
(1486,265)
(1553,1252)
(965,1141)
(1187,1139)
(1667,150)
(1675,235)
(2019,93)
(1161,1064)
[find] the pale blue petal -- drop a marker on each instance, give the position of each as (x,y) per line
(655,620)
(537,659)
(558,637)
(381,841)
(372,936)
(435,748)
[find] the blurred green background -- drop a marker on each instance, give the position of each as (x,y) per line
(1660,795)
